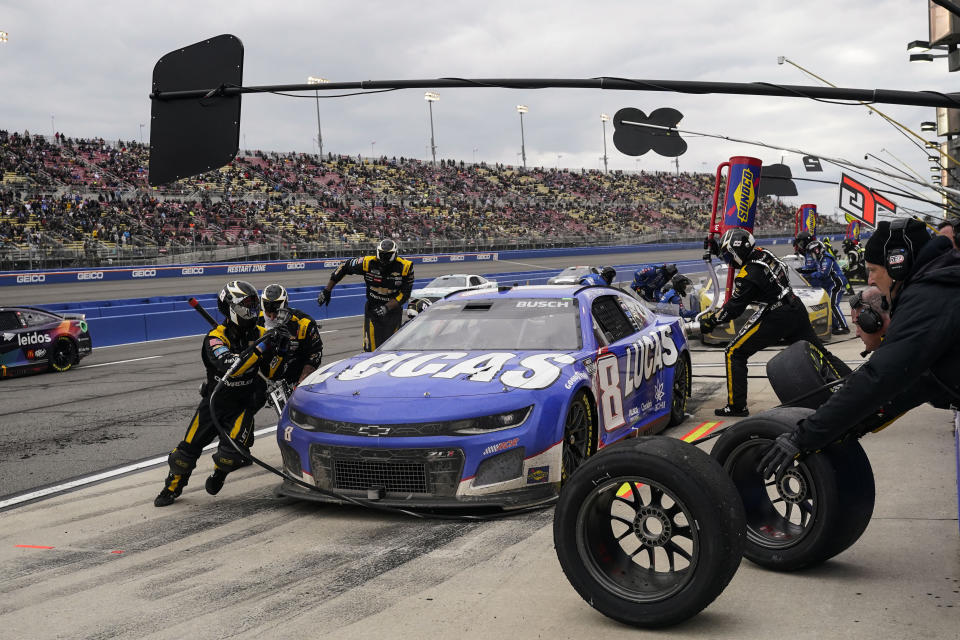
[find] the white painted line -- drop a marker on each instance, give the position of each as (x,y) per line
(106,364)
(539,267)
(196,335)
(80,482)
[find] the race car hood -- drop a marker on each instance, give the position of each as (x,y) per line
(440,374)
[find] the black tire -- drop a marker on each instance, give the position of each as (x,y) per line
(649,531)
(682,383)
(63,354)
(796,371)
(822,506)
(579,435)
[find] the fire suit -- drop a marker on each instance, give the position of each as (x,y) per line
(385,282)
(823,270)
(242,394)
(305,348)
(763,279)
(650,280)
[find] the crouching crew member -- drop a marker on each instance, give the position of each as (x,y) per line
(242,394)
(604,278)
(649,281)
(306,347)
(389,279)
(919,359)
(676,294)
(762,279)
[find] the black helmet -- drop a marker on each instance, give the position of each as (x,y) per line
(387,251)
(274,298)
(802,241)
(736,245)
(239,303)
(680,283)
(608,274)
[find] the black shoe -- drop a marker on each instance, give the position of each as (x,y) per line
(839,331)
(166,498)
(730,411)
(215,482)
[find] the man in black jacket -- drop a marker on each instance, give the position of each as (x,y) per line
(761,279)
(389,279)
(919,360)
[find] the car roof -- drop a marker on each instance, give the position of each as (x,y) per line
(52,313)
(535,291)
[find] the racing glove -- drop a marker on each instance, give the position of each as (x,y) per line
(707,323)
(281,340)
(380,311)
(779,457)
(324,297)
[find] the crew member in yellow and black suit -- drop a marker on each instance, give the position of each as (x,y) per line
(242,394)
(389,280)
(306,347)
(762,278)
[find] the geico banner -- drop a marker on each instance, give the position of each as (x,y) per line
(62,276)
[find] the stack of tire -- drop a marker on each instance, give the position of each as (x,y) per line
(623,525)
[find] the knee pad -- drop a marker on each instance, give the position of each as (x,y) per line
(181,462)
(227,459)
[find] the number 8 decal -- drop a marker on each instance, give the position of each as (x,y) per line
(611,397)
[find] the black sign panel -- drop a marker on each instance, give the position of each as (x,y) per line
(194,135)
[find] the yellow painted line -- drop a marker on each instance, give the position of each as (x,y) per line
(703,429)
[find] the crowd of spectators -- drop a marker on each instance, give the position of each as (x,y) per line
(90,191)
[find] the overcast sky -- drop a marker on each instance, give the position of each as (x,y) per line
(88,67)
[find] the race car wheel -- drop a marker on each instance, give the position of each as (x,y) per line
(682,382)
(63,354)
(649,531)
(820,508)
(798,370)
(579,435)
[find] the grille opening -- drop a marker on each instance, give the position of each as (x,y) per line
(397,477)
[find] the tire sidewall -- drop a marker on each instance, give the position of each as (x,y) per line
(63,343)
(704,490)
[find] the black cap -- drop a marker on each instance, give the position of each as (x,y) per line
(915,235)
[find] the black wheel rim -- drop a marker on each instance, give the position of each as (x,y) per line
(779,515)
(62,355)
(679,400)
(576,437)
(636,540)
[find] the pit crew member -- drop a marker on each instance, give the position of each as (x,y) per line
(389,280)
(306,346)
(649,281)
(919,360)
(762,278)
(822,269)
(241,395)
(604,278)
(676,293)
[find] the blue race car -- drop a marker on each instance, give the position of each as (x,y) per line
(487,398)
(34,340)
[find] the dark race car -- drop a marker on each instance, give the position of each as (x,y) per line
(33,340)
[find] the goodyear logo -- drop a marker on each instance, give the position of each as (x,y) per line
(745,195)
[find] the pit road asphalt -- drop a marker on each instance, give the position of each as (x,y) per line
(102,562)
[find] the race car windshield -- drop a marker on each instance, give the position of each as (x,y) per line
(511,324)
(447,281)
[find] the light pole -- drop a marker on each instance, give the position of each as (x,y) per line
(313,80)
(522,109)
(141,134)
(53,128)
(559,155)
(432,97)
(603,119)
(475,155)
(372,154)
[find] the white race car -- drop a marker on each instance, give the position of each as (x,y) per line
(443,286)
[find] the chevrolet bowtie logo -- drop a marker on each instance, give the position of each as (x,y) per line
(373,430)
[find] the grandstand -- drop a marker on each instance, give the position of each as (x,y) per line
(72,202)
